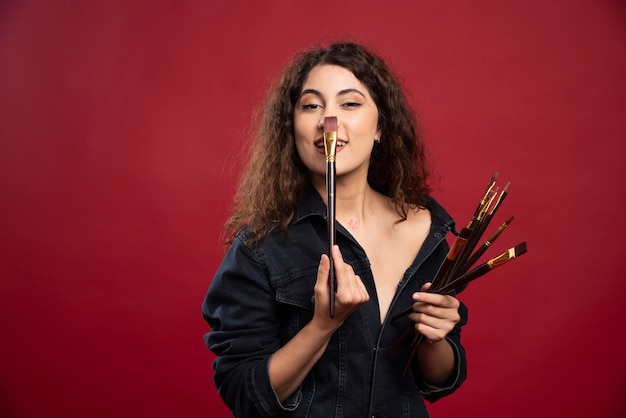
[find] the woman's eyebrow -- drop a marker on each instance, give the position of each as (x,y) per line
(341,92)
(351,90)
(310,91)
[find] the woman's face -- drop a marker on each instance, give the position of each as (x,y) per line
(330,90)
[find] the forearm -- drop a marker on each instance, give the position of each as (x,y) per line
(290,364)
(436,361)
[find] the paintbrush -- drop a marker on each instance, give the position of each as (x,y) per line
(490,208)
(505,257)
(498,202)
(460,258)
(452,275)
(483,202)
(477,226)
(448,262)
(481,250)
(479,271)
(330,147)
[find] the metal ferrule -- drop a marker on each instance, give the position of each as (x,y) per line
(502,258)
(330,145)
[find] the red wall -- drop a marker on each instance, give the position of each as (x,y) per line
(120,129)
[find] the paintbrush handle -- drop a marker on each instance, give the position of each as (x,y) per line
(465,264)
(481,250)
(474,258)
(405,334)
(450,259)
(418,339)
(332,231)
(465,278)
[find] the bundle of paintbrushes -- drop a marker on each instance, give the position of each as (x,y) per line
(458,268)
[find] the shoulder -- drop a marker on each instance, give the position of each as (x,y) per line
(439,215)
(418,214)
(430,217)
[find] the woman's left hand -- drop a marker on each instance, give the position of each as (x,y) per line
(434,315)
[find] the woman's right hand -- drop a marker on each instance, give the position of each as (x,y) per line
(290,364)
(351,292)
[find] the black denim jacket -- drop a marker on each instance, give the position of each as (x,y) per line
(262,296)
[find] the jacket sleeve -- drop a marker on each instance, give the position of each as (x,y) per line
(240,308)
(433,393)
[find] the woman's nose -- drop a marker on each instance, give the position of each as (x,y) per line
(320,124)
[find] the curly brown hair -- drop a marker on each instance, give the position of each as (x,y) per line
(275,177)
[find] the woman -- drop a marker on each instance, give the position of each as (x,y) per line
(279,353)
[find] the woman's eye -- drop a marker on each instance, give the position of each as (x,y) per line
(352,104)
(310,106)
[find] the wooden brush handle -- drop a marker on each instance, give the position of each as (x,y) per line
(332,231)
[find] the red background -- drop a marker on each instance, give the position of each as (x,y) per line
(121,128)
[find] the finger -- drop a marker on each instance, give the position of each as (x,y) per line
(343,271)
(436,313)
(340,265)
(432,334)
(443,324)
(350,287)
(322,275)
(323,268)
(436,299)
(360,289)
(363,289)
(429,320)
(442,319)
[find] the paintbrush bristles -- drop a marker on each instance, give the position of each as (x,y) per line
(520,249)
(330,123)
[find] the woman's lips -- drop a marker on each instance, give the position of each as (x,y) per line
(319,145)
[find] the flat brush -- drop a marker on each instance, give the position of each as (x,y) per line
(485,268)
(330,147)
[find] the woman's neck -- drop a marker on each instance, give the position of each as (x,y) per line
(355,202)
